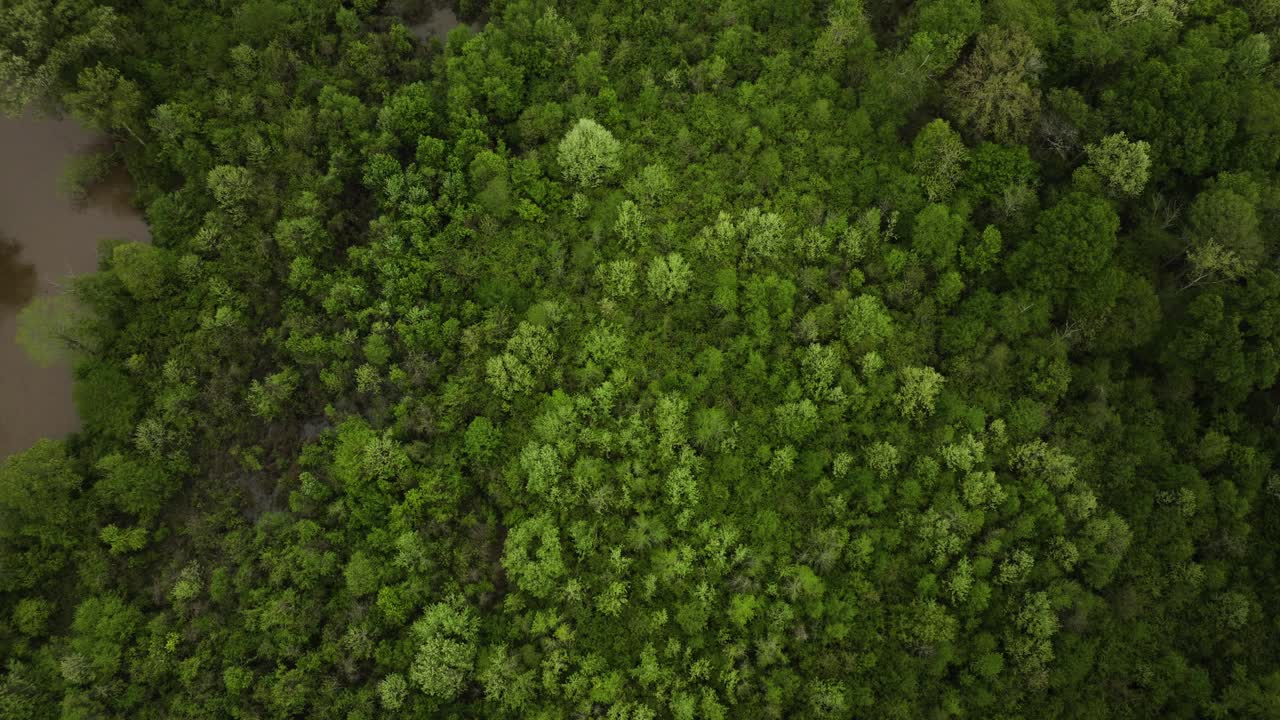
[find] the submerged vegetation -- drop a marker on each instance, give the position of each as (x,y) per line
(633,360)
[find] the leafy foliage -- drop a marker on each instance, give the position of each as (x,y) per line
(769,359)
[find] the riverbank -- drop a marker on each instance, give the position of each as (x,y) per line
(45,236)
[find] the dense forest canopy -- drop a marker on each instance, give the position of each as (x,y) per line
(636,360)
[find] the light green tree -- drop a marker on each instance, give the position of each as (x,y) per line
(868,323)
(936,234)
(631,225)
(919,391)
(1165,12)
(847,35)
(142,268)
(269,396)
(101,635)
(124,541)
(669,276)
(31,615)
(589,154)
(618,278)
(55,329)
(529,354)
(232,186)
(446,651)
(983,254)
(504,681)
(980,489)
(1208,261)
(392,691)
(189,584)
(1231,610)
(883,458)
(797,420)
(938,157)
(508,376)
(532,556)
(1031,646)
(105,100)
(1123,164)
(926,626)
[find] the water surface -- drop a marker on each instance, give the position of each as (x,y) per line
(45,237)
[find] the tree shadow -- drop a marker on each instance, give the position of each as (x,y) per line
(94,177)
(17,278)
(113,192)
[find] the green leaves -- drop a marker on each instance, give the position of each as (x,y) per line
(529,355)
(939,156)
(532,556)
(433,399)
(445,658)
(36,493)
(1224,227)
(995,92)
(42,42)
(268,397)
(868,323)
(481,439)
(918,391)
(55,330)
(124,541)
(233,189)
(1074,237)
(104,100)
(589,154)
(392,691)
(669,277)
(134,485)
(927,627)
(797,420)
(31,615)
(100,636)
(936,236)
(1125,165)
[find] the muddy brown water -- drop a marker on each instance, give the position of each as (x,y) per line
(44,238)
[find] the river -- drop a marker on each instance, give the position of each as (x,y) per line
(44,237)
